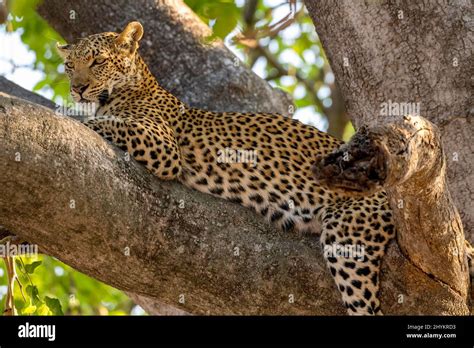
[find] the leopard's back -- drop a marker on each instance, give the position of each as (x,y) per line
(259,160)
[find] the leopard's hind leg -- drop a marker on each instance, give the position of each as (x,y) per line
(354,236)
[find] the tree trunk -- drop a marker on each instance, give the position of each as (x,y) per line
(385,52)
(337,114)
(174,253)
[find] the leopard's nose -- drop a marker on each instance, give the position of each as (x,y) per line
(79,88)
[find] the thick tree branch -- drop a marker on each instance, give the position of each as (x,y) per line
(173,251)
(84,203)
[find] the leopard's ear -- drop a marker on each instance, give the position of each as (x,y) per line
(63,50)
(127,41)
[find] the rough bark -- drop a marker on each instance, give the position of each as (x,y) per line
(408,52)
(336,114)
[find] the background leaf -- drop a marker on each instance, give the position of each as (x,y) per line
(30,268)
(54,305)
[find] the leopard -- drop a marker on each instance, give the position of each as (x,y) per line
(200,149)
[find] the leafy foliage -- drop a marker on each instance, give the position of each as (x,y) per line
(40,38)
(49,287)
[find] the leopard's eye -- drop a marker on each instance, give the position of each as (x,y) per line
(70,65)
(98,61)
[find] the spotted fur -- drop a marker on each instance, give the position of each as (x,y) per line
(175,141)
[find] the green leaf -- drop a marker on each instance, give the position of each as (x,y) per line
(29,310)
(30,268)
(33,292)
(224,25)
(42,83)
(225,13)
(54,305)
(43,310)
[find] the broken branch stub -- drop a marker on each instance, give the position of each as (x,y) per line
(406,159)
(405,152)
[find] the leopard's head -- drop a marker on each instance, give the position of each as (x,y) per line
(99,63)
